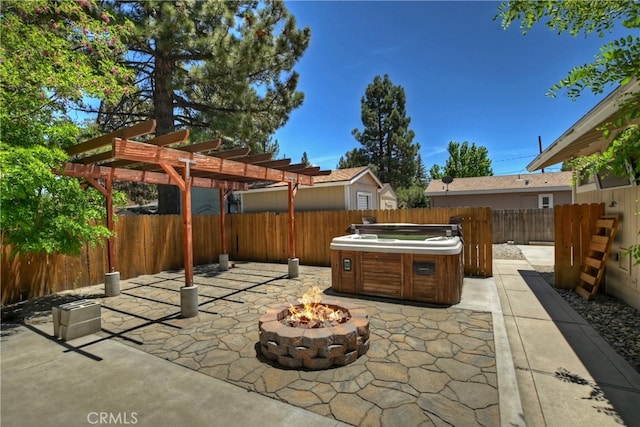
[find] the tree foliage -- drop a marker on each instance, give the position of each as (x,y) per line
(222,67)
(54,54)
(412,197)
(464,161)
(387,141)
(36,214)
(617,62)
(219,68)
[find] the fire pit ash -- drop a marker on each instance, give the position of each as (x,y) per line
(315,334)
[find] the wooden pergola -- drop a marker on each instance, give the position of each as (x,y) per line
(170,160)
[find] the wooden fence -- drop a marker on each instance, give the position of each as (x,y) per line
(574,225)
(151,244)
(523,226)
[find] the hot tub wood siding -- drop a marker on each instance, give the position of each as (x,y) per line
(381,274)
(435,279)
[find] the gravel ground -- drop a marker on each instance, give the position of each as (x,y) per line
(617,322)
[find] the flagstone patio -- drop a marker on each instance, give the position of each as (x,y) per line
(426,365)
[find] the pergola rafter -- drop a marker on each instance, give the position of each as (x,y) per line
(165,159)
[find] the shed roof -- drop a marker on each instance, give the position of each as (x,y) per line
(550,181)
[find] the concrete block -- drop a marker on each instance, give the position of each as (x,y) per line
(223,262)
(294,267)
(189,301)
(78,311)
(55,313)
(112,284)
(80,329)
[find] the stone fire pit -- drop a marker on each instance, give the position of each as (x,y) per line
(315,348)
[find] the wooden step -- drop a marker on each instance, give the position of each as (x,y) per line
(606,222)
(593,262)
(584,293)
(597,247)
(601,240)
(586,277)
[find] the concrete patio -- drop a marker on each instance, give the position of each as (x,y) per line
(511,353)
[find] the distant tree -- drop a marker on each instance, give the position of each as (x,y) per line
(422,179)
(464,161)
(305,159)
(54,55)
(386,138)
(412,197)
(223,68)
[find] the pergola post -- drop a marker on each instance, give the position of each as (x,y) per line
(112,277)
(293,262)
(188,293)
(223,258)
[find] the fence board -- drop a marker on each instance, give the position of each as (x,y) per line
(151,244)
(574,225)
(523,226)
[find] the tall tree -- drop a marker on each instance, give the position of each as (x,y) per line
(224,68)
(618,62)
(305,159)
(464,161)
(386,138)
(54,54)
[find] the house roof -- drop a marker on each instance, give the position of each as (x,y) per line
(335,178)
(584,138)
(556,181)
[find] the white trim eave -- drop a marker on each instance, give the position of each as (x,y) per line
(363,173)
(498,191)
(601,112)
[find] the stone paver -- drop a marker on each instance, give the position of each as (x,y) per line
(426,365)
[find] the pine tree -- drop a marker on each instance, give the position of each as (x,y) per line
(386,138)
(355,158)
(218,68)
(305,159)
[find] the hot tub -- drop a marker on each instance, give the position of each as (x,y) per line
(418,262)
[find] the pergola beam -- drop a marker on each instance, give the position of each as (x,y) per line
(134,131)
(141,152)
(118,174)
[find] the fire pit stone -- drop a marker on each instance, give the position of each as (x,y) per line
(314,348)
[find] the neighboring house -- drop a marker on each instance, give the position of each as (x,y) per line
(522,191)
(621,196)
(343,189)
(388,197)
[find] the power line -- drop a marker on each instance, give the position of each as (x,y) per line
(516,158)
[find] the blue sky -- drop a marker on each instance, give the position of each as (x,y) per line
(465,78)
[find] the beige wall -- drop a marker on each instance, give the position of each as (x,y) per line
(499,201)
(306,199)
(387,201)
(621,276)
(317,198)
